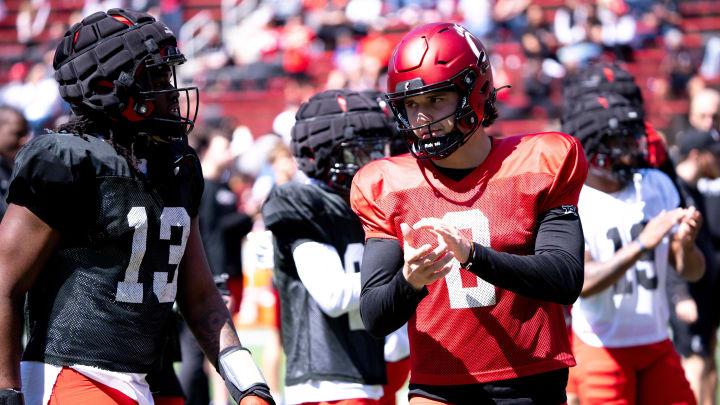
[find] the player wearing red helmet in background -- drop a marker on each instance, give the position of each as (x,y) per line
(474,241)
(102,232)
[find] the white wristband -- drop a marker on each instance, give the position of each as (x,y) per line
(240,369)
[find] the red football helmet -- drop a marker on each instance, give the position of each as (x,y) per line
(441,57)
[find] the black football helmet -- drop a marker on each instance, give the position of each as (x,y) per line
(601,76)
(105,66)
(338,131)
(595,119)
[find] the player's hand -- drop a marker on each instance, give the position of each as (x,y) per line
(689,227)
(424,265)
(456,243)
(686,310)
(658,227)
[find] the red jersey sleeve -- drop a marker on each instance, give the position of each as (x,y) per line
(365,194)
(567,155)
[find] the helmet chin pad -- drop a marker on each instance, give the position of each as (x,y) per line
(438,147)
(441,147)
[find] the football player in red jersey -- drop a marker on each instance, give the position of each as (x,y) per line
(102,231)
(474,241)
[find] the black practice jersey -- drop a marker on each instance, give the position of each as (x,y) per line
(107,290)
(319,347)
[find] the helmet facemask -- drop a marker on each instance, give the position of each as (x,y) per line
(614,147)
(157,108)
(349,156)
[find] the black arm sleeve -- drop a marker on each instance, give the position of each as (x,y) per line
(387,300)
(554,273)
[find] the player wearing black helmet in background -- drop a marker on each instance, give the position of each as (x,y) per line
(633,231)
(318,244)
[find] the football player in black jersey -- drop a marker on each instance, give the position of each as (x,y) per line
(318,245)
(102,231)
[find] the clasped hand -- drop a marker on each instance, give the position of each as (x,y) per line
(424,265)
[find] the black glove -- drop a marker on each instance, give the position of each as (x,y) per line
(242,376)
(9,396)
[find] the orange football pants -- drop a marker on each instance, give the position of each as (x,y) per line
(73,388)
(415,400)
(644,375)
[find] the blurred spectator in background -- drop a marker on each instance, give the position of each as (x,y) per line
(477,16)
(704,110)
(572,27)
(31,20)
(295,39)
(297,90)
(679,63)
(41,98)
(510,19)
(171,14)
(703,115)
(541,67)
(710,68)
(36,95)
(93,6)
(618,27)
(282,162)
(14,131)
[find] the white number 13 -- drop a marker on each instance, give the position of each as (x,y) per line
(130,290)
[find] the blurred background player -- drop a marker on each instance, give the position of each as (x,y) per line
(695,336)
(102,232)
(633,231)
(222,229)
(611,77)
(684,296)
(485,324)
(318,243)
(397,346)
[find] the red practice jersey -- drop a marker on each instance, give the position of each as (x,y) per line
(466,330)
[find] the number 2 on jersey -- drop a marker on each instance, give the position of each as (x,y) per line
(483,294)
(130,290)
